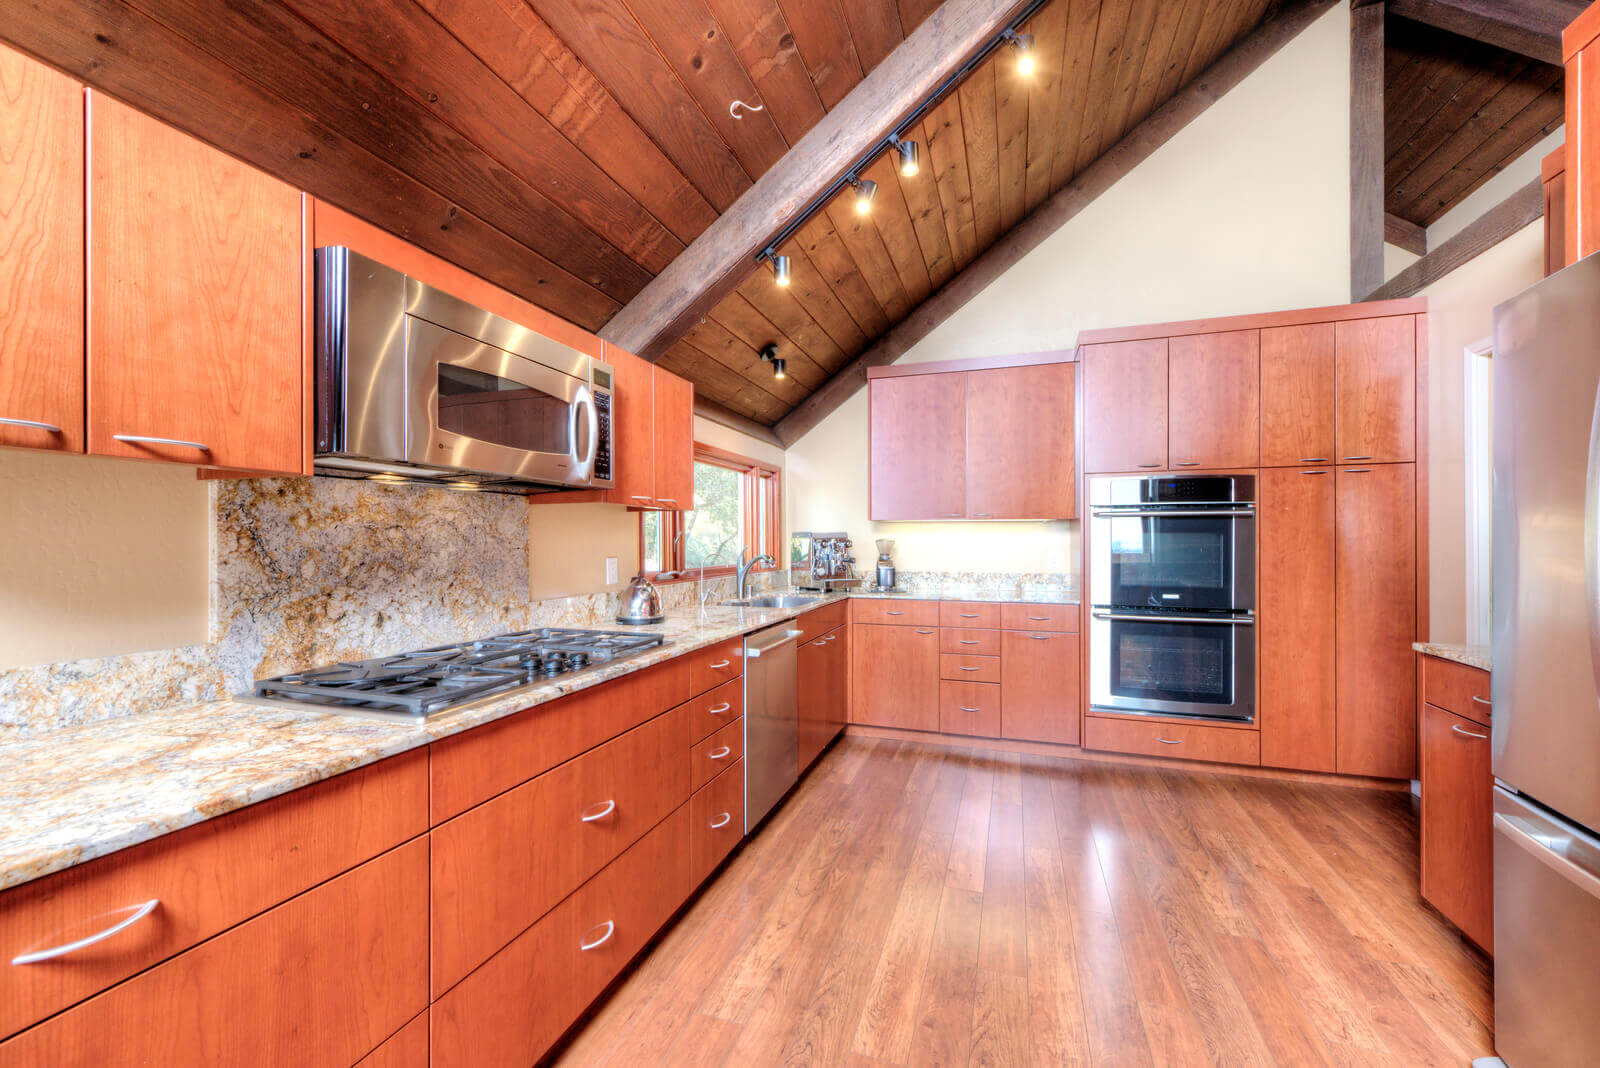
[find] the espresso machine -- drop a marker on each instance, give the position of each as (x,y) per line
(833,565)
(885,564)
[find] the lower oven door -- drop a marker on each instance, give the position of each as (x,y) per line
(1170,665)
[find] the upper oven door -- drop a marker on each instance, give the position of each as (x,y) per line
(1178,557)
(480,408)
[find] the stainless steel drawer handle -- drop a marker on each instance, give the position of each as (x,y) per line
(140,439)
(640,497)
(1040,637)
(1314,472)
(894,613)
(1484,701)
(1313,459)
(969,615)
(1129,617)
(983,515)
(720,709)
(595,943)
(719,752)
(1149,465)
(964,708)
(971,669)
(1188,463)
(722,821)
(139,912)
(1358,457)
(1170,741)
(968,641)
(924,632)
(605,809)
(667,500)
(1357,470)
(1470,734)
(31,424)
(1039,619)
(720,664)
(950,514)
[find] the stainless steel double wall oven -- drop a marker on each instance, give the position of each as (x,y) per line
(1172,587)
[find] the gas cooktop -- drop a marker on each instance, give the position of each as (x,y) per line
(429,681)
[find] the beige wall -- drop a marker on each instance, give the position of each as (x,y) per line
(99,557)
(1246,210)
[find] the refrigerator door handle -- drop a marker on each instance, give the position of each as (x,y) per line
(1591,539)
(1552,850)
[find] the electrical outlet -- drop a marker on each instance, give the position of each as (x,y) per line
(611,570)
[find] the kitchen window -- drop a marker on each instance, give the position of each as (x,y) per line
(738,504)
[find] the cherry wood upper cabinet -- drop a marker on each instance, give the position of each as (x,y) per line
(1553,175)
(673,403)
(1580,46)
(1296,396)
(1125,405)
(1020,444)
(1375,613)
(918,446)
(1375,390)
(41,256)
(633,448)
(196,300)
(1295,569)
(1214,382)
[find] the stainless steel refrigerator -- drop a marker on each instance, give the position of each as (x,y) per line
(1546,683)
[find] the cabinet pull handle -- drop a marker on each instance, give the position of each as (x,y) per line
(1322,472)
(951,514)
(606,809)
(611,928)
(1313,459)
(1149,465)
(720,709)
(1484,701)
(1358,457)
(640,497)
(720,664)
(719,752)
(969,641)
(667,500)
(1040,619)
(1470,734)
(924,632)
(983,515)
(140,439)
(971,669)
(722,821)
(964,708)
(969,615)
(1357,470)
(1170,741)
(894,613)
(1188,463)
(30,424)
(1040,637)
(139,913)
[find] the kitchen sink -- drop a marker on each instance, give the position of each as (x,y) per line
(776,600)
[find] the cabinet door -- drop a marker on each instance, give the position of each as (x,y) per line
(1375,613)
(1297,395)
(814,691)
(195,300)
(1125,405)
(674,441)
(41,256)
(633,422)
(1457,815)
(1555,223)
(1020,443)
(837,712)
(1214,418)
(1295,560)
(918,446)
(1375,385)
(896,673)
(1039,686)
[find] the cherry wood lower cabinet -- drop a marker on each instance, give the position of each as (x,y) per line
(896,676)
(712,756)
(321,980)
(1457,819)
(41,256)
(969,708)
(716,822)
(1182,741)
(1039,691)
(519,1002)
(1458,688)
(407,1048)
(824,695)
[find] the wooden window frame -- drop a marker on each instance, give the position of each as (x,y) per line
(763,483)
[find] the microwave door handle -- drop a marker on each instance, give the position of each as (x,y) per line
(585,464)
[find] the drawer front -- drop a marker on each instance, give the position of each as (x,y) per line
(206,879)
(819,621)
(901,613)
(321,980)
(715,665)
(474,766)
(503,864)
(1183,741)
(1060,617)
(716,822)
(960,667)
(969,642)
(712,756)
(513,1008)
(407,1049)
(969,614)
(715,709)
(969,708)
(1456,688)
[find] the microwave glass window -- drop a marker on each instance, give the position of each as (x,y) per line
(1173,662)
(488,408)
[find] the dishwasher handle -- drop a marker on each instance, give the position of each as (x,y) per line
(782,638)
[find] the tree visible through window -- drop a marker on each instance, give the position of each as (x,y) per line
(736,506)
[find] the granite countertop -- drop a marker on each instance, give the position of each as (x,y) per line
(1471,655)
(76,794)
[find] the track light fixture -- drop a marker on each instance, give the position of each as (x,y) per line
(782,273)
(769,354)
(908,152)
(866,192)
(1023,43)
(778,368)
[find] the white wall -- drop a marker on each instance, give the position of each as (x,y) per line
(1246,210)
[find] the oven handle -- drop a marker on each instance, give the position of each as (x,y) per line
(1106,513)
(1130,617)
(584,465)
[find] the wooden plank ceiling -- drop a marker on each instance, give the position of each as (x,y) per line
(992,151)
(1456,111)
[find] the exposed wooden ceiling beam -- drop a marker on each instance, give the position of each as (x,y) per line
(1140,143)
(1403,233)
(724,416)
(721,257)
(1366,149)
(1486,231)
(1528,27)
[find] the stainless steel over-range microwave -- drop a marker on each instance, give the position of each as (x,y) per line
(415,383)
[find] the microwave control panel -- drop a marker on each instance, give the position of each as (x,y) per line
(602,451)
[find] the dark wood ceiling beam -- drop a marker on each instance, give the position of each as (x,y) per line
(725,416)
(714,264)
(1403,233)
(1366,148)
(1529,27)
(1518,210)
(1144,139)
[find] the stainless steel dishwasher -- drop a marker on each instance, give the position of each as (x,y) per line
(771,719)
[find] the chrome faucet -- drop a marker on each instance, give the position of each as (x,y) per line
(742,571)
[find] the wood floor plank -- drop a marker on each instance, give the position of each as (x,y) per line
(1000,1021)
(968,854)
(829,1021)
(1004,945)
(944,1014)
(703,1042)
(1277,1012)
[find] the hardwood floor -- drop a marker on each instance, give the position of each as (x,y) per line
(912,905)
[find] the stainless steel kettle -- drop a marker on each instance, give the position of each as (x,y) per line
(641,603)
